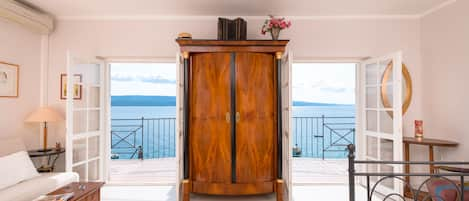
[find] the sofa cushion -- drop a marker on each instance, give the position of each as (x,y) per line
(11,145)
(15,168)
(30,189)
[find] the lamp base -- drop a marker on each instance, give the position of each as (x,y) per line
(44,150)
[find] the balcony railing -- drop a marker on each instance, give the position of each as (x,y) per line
(314,137)
(322,137)
(143,138)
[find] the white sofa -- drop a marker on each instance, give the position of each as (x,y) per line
(30,189)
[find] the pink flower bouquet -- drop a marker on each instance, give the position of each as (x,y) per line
(274,26)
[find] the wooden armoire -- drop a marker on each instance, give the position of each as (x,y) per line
(232,117)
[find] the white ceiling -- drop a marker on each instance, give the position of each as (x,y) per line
(119,8)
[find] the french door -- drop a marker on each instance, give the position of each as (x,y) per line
(85,138)
(287,104)
(381,124)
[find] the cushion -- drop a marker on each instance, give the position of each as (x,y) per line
(443,190)
(15,168)
(11,145)
(31,189)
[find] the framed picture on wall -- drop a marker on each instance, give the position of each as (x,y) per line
(9,79)
(77,89)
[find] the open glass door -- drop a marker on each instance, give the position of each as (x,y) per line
(180,123)
(381,124)
(85,118)
(287,109)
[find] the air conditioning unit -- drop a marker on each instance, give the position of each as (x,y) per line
(27,15)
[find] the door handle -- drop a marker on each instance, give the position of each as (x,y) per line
(238,117)
(227,117)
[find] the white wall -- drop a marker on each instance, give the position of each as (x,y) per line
(445,53)
(20,46)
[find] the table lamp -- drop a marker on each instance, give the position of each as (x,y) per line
(44,115)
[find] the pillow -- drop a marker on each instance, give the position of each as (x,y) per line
(15,168)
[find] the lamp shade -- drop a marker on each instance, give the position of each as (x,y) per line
(44,114)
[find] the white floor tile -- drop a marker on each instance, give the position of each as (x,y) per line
(167,193)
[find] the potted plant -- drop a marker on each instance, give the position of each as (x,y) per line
(274,25)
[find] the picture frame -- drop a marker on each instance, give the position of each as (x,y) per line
(9,80)
(77,88)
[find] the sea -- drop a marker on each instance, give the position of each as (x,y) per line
(318,131)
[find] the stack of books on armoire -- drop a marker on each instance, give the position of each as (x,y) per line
(232,29)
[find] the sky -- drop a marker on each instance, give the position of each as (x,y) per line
(312,82)
(151,79)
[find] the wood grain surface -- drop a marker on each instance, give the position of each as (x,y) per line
(210,143)
(256,128)
(91,192)
(233,189)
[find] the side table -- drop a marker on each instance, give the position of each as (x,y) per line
(52,156)
(83,191)
(407,141)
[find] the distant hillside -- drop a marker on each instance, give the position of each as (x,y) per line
(143,101)
(302,103)
(171,101)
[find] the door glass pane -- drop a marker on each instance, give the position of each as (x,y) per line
(386,154)
(94,120)
(79,102)
(93,147)
(371,97)
(385,69)
(372,146)
(79,122)
(387,150)
(386,122)
(386,96)
(93,170)
(371,120)
(372,168)
(81,171)
(79,150)
(371,76)
(93,97)
(90,72)
(388,182)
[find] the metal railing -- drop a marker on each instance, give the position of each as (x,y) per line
(313,137)
(378,181)
(322,137)
(143,138)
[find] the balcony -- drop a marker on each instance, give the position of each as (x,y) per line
(143,149)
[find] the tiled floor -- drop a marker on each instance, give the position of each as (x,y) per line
(162,171)
(315,180)
(150,171)
(167,193)
(315,171)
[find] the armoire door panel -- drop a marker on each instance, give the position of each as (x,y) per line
(210,137)
(256,125)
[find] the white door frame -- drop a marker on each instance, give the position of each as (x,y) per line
(107,80)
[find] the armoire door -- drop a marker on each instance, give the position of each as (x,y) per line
(255,117)
(210,126)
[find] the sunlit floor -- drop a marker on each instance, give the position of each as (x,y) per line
(314,179)
(316,171)
(149,171)
(167,193)
(162,171)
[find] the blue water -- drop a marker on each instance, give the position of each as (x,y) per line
(309,134)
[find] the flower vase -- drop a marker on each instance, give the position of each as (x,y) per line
(275,32)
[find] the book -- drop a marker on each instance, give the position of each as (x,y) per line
(59,197)
(232,29)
